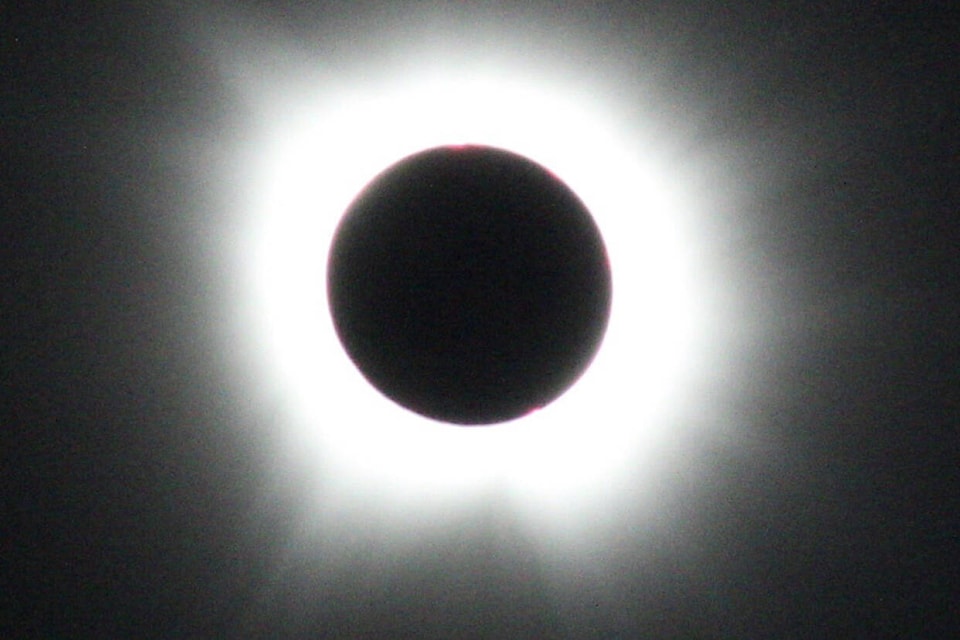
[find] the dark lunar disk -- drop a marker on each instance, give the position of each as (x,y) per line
(469,285)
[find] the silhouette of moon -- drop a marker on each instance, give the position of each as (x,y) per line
(469,285)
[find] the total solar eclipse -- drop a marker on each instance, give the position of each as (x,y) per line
(469,284)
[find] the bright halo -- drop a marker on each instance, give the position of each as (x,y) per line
(318,152)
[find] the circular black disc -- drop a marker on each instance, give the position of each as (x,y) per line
(469,284)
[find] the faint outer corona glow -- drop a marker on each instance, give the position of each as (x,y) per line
(319,144)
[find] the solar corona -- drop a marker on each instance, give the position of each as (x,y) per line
(539,286)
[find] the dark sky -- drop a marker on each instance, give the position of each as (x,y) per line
(137,499)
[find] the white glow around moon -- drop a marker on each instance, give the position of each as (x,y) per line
(318,139)
(318,154)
